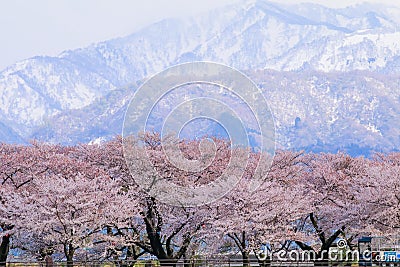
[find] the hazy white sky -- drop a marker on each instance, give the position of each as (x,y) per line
(47,27)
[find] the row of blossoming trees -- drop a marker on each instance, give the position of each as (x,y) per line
(83,202)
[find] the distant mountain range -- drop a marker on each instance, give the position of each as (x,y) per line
(331,76)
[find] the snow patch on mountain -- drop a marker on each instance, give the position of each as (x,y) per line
(251,36)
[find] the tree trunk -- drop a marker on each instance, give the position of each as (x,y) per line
(246,259)
(131,257)
(4,248)
(245,253)
(69,254)
(70,262)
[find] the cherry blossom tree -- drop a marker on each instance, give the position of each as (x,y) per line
(72,212)
(20,165)
(172,229)
(162,230)
(381,195)
(264,216)
(91,197)
(68,201)
(17,169)
(333,184)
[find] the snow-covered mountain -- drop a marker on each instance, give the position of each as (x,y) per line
(81,94)
(357,112)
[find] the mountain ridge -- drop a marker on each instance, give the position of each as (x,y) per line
(256,36)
